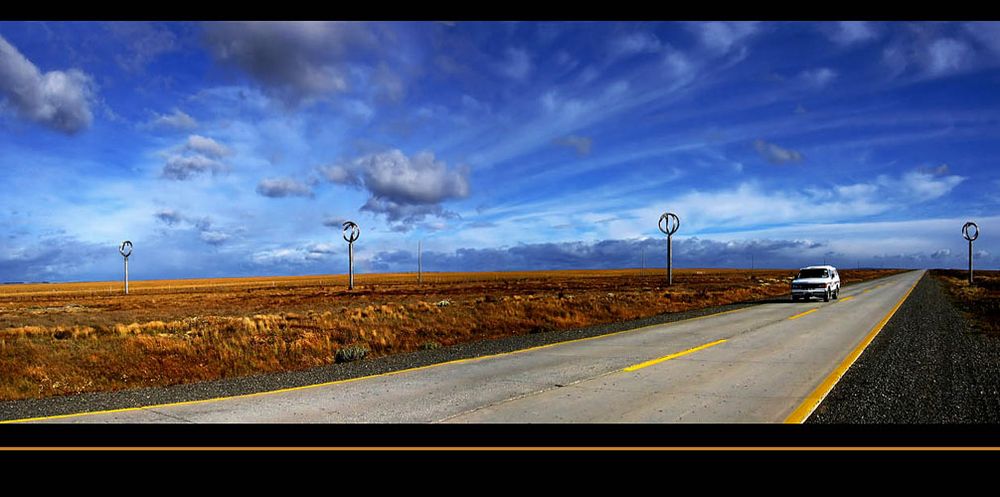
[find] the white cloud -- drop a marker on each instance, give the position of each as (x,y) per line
(920,185)
(775,154)
(516,64)
(400,187)
(308,253)
(851,32)
(634,43)
(207,147)
(818,78)
(60,100)
(176,120)
(581,144)
(182,167)
(987,33)
(947,55)
(283,187)
(722,37)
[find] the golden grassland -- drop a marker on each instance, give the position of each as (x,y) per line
(58,339)
(980,302)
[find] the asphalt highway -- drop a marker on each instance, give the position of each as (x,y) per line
(771,362)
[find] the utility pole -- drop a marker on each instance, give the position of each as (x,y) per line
(420,270)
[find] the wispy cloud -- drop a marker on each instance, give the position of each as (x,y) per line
(723,37)
(175,120)
(818,78)
(634,43)
(851,32)
(775,154)
(581,144)
(516,64)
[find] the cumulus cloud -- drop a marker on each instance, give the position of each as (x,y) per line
(941,254)
(60,100)
(605,254)
(283,187)
(183,167)
(775,154)
(51,259)
(175,120)
(292,60)
(722,37)
(206,146)
(197,155)
(516,64)
(404,189)
(851,32)
(581,144)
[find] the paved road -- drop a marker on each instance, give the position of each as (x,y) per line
(759,364)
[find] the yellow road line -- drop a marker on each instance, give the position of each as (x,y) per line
(810,311)
(845,299)
(866,291)
(801,413)
(349,380)
(672,356)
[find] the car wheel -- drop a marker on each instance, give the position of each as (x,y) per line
(826,296)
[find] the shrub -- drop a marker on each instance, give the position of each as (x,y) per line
(430,345)
(351,353)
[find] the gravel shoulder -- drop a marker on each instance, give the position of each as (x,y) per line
(927,365)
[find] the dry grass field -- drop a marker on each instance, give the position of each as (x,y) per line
(58,339)
(980,302)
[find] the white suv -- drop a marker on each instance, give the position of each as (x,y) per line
(819,281)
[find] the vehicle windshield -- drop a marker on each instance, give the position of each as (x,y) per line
(813,273)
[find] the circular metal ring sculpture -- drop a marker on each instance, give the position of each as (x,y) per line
(351,234)
(970,235)
(125,249)
(974,232)
(669,223)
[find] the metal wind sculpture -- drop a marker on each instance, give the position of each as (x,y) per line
(126,250)
(351,233)
(668,224)
(970,235)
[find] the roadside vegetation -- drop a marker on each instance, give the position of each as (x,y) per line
(979,302)
(58,339)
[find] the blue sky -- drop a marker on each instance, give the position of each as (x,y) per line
(236,149)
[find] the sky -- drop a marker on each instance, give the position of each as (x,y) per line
(238,149)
